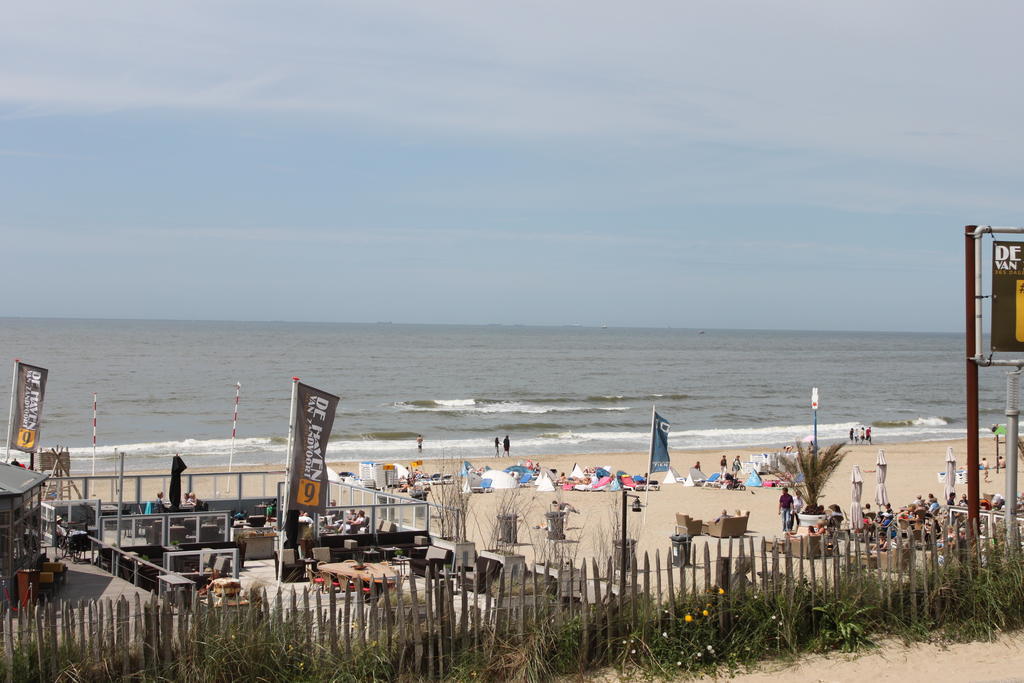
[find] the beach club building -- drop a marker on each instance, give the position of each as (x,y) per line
(20,542)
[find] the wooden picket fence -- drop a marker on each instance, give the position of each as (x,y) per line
(425,624)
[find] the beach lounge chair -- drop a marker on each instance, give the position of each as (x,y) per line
(628,483)
(712,481)
(526,479)
(484,487)
(601,484)
(688,525)
(644,484)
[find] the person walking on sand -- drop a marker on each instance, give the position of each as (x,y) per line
(724,464)
(497,447)
(984,468)
(851,434)
(867,434)
(736,465)
(507,444)
(419,442)
(786,509)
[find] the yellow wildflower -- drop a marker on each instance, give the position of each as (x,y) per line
(706,612)
(688,618)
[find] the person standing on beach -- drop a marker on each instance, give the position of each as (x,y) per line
(868,434)
(851,434)
(984,468)
(786,509)
(724,464)
(419,442)
(736,465)
(497,447)
(863,435)
(798,507)
(507,444)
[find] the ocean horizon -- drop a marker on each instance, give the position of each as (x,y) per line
(167,387)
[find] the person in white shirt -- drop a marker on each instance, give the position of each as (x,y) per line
(798,506)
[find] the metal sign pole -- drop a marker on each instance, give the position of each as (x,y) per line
(1012,436)
(10,415)
(814,409)
(282,513)
(973,323)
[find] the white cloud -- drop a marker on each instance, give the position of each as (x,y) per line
(931,82)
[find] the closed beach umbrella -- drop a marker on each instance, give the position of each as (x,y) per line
(881,495)
(950,473)
(174,491)
(857,486)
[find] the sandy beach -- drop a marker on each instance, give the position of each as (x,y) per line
(913,470)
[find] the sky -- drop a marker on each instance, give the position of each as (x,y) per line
(795,165)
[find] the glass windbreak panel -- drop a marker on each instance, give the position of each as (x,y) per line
(182,529)
(150,486)
(212,529)
(148,530)
(104,488)
(183,563)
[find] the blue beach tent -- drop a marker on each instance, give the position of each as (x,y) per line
(752,480)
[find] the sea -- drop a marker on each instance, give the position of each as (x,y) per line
(167,387)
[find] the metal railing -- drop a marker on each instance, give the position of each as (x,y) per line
(127,566)
(167,528)
(142,488)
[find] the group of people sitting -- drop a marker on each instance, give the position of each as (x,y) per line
(353,522)
(188,502)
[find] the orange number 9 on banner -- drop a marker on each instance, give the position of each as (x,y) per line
(27,438)
(309,492)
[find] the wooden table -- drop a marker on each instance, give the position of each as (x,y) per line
(370,572)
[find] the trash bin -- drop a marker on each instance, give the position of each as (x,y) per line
(681,544)
(556,525)
(508,529)
(630,554)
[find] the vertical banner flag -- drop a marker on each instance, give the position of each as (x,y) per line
(28,407)
(314,418)
(1007,296)
(659,444)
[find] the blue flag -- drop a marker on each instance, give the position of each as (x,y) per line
(659,445)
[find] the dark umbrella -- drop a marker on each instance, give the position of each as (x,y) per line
(174,492)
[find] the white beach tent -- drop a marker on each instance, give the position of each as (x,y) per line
(544,484)
(501,480)
(577,472)
(401,471)
(672,478)
(471,481)
(695,477)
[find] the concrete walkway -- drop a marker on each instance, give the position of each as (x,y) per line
(86,582)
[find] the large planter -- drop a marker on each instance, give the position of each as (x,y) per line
(260,547)
(464,552)
(513,566)
(809,520)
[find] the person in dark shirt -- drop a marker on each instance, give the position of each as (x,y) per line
(507,445)
(786,508)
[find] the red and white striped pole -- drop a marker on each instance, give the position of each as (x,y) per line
(94,433)
(234,429)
